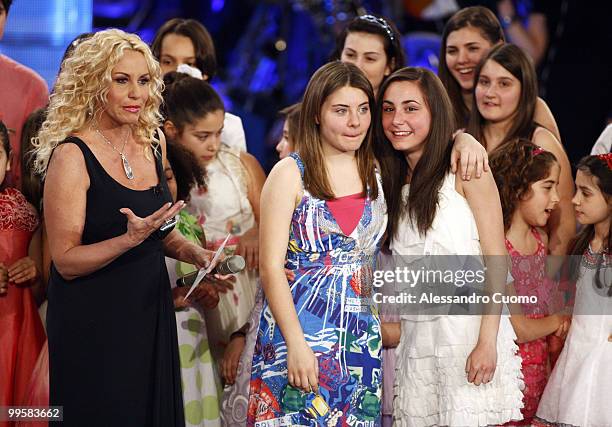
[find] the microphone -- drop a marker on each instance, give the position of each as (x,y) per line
(231,265)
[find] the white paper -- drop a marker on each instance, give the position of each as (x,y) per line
(204,271)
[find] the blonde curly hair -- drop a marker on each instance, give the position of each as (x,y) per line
(80,92)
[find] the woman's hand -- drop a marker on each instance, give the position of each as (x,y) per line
(3,279)
(248,247)
(302,367)
(221,284)
(178,297)
(206,295)
(231,358)
(481,363)
(198,256)
(470,155)
(138,229)
(22,271)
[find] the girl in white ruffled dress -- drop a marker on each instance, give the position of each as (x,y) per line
(452,370)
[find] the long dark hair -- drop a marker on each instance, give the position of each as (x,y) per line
(325,81)
(513,59)
(434,165)
(206,60)
(486,22)
(515,167)
(187,171)
(383,27)
(598,168)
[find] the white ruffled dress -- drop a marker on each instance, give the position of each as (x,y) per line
(431,386)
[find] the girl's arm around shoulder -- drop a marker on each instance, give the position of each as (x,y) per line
(483,198)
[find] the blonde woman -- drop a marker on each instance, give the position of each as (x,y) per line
(112,336)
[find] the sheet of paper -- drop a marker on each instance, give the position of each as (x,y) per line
(204,271)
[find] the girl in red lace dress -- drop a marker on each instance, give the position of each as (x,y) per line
(527,177)
(21,331)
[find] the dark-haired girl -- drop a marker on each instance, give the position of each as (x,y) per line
(200,379)
(373,44)
(194,117)
(578,391)
(453,370)
(187,44)
(503,110)
(527,177)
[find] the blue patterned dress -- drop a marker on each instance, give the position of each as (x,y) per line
(332,293)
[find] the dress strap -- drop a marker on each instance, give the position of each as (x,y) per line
(94,168)
(538,237)
(300,164)
(159,167)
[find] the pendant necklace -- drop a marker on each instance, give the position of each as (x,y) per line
(126,165)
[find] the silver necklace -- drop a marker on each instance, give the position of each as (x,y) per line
(126,165)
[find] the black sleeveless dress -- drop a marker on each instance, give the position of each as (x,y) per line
(113,352)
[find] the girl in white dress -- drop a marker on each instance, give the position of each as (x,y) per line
(194,116)
(578,391)
(452,370)
(199,376)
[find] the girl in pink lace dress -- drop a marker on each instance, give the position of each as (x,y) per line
(527,178)
(21,331)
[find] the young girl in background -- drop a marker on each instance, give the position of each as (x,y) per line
(286,144)
(579,387)
(186,43)
(505,99)
(468,36)
(199,374)
(194,116)
(21,331)
(527,178)
(373,44)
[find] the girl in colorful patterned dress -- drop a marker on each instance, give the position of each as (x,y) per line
(21,331)
(317,355)
(527,177)
(578,391)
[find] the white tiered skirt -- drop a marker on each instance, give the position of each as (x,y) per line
(431,387)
